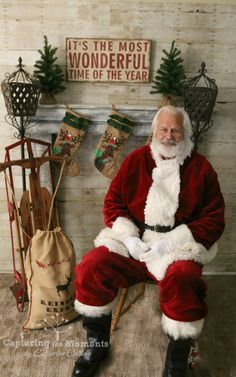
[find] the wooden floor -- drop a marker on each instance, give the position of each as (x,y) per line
(138,345)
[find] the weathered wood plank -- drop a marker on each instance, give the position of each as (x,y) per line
(203,32)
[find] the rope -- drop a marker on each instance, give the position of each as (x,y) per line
(54,195)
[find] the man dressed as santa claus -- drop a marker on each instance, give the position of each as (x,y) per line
(164,212)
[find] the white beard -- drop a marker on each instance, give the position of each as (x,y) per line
(179,151)
(169,151)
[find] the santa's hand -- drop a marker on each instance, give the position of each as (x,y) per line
(135,246)
(158,248)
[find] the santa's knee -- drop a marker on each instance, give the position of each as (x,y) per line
(185,279)
(92,262)
(182,299)
(94,296)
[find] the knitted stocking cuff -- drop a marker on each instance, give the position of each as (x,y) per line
(72,132)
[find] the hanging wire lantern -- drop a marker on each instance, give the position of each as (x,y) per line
(199,100)
(21,94)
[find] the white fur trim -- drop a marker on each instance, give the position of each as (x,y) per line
(107,237)
(125,228)
(178,236)
(178,329)
(184,248)
(113,237)
(94,311)
(189,251)
(163,196)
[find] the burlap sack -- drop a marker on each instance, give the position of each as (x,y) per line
(49,267)
(49,270)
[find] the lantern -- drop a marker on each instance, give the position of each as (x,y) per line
(21,94)
(200,94)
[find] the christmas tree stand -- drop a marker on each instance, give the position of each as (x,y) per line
(47,99)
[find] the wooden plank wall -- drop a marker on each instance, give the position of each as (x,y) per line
(203,32)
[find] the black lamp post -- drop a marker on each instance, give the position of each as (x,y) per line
(21,94)
(199,100)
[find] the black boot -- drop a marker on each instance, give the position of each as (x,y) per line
(98,336)
(177,358)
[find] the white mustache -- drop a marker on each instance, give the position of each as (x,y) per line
(168,142)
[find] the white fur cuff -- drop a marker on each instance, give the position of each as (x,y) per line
(107,237)
(94,311)
(180,235)
(177,329)
(125,228)
(190,251)
(114,237)
(184,248)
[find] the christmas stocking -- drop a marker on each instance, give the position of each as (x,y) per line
(68,140)
(111,143)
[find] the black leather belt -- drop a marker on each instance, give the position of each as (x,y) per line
(158,228)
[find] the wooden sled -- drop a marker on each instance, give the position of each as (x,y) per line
(32,213)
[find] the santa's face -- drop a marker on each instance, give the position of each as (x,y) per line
(169,134)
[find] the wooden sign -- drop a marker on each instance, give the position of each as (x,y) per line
(114,60)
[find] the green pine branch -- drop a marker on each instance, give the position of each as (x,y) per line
(49,74)
(170,77)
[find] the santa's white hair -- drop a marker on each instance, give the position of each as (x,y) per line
(180,150)
(174,110)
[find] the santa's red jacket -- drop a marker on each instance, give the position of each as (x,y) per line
(186,198)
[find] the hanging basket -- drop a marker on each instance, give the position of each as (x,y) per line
(199,103)
(21,92)
(200,96)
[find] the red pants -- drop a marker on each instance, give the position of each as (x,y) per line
(101,273)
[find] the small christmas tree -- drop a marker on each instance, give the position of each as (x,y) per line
(49,73)
(170,77)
